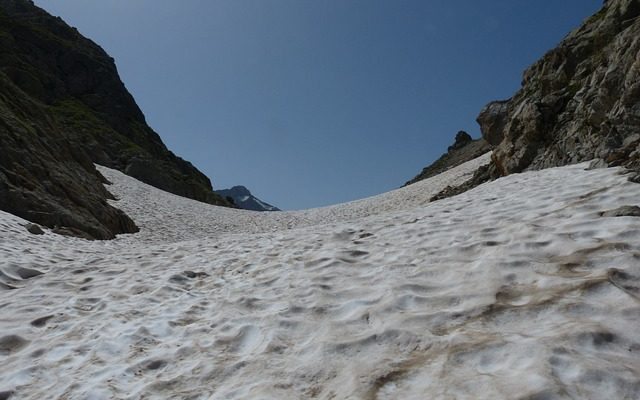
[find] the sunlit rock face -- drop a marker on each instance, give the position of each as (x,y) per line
(580,101)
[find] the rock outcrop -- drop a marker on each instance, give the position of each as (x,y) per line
(63,107)
(579,102)
(464,149)
(462,139)
(241,197)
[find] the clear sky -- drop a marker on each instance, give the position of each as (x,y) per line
(315,102)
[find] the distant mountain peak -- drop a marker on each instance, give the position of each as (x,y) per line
(243,198)
(240,190)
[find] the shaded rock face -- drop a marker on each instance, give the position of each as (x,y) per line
(63,107)
(242,198)
(44,178)
(464,149)
(580,101)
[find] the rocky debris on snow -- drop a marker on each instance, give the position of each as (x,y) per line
(34,229)
(481,175)
(6,394)
(598,163)
(70,231)
(11,344)
(635,177)
(624,211)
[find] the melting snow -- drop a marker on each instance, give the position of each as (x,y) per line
(516,289)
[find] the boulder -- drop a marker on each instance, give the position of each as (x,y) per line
(34,229)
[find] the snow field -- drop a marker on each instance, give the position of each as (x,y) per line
(516,289)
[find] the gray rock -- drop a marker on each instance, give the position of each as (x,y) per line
(635,178)
(624,211)
(73,232)
(6,394)
(34,229)
(462,139)
(10,344)
(631,140)
(598,163)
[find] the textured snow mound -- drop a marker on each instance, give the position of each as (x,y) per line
(516,289)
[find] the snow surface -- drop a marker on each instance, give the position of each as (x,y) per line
(516,289)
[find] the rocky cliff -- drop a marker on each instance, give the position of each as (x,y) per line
(579,102)
(64,107)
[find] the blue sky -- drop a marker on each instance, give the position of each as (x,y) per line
(312,102)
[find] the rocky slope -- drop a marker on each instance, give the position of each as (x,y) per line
(64,107)
(243,198)
(464,149)
(579,102)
